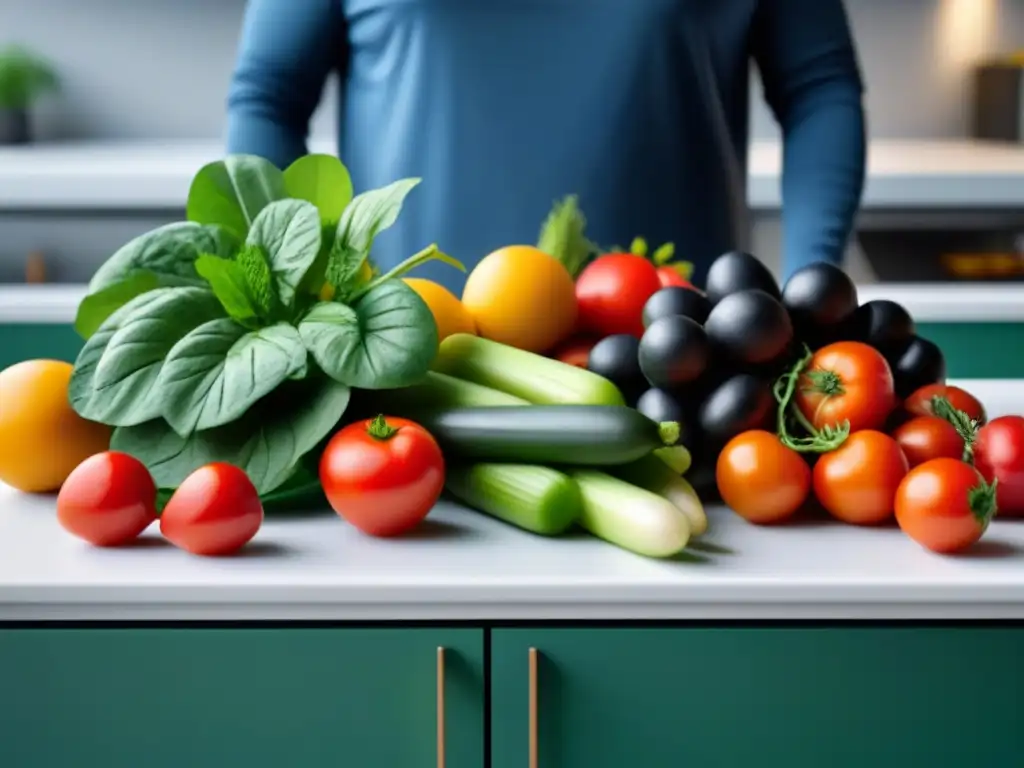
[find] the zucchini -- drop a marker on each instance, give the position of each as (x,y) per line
(538,499)
(652,474)
(630,517)
(587,435)
(438,390)
(676,457)
(534,378)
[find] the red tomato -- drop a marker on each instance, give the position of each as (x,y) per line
(944,505)
(382,475)
(108,499)
(999,455)
(920,403)
(928,437)
(611,292)
(760,479)
(857,482)
(846,381)
(576,351)
(215,511)
(669,277)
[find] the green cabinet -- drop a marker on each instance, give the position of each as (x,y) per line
(259,698)
(764,697)
(28,341)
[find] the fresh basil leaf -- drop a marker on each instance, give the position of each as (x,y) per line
(388,339)
(230,193)
(95,308)
(258,279)
(267,444)
(369,214)
(220,369)
(288,231)
(114,374)
(229,285)
(345,266)
(322,180)
(169,251)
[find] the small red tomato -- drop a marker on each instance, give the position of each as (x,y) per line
(999,455)
(215,511)
(944,505)
(108,499)
(669,277)
(857,482)
(382,475)
(921,402)
(928,437)
(576,351)
(847,381)
(611,292)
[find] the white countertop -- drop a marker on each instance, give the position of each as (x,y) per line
(465,566)
(133,175)
(972,302)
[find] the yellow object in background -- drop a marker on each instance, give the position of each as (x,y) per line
(41,437)
(522,297)
(449,314)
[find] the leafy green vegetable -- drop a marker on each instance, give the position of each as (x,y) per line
(323,181)
(219,370)
(230,193)
(114,374)
(387,339)
(258,280)
(97,307)
(288,232)
(268,444)
(430,253)
(563,235)
(228,281)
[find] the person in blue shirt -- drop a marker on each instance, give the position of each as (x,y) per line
(640,107)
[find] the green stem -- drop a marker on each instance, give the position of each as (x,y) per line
(430,253)
(964,425)
(669,432)
(817,441)
(981,499)
(379,429)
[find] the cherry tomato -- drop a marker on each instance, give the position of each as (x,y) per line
(760,479)
(857,482)
(215,511)
(846,381)
(576,351)
(108,499)
(382,475)
(920,402)
(944,505)
(928,437)
(999,455)
(669,276)
(611,292)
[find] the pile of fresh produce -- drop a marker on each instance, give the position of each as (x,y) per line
(254,357)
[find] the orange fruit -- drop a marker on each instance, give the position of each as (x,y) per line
(521,296)
(42,439)
(449,314)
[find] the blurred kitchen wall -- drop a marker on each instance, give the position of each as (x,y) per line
(159,68)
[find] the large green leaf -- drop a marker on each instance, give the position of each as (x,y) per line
(169,251)
(387,339)
(230,193)
(228,283)
(220,369)
(115,372)
(322,180)
(288,232)
(268,443)
(95,308)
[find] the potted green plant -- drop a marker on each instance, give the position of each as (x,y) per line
(24,77)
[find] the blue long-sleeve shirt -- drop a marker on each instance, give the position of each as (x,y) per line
(503,106)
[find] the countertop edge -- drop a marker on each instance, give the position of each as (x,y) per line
(966,303)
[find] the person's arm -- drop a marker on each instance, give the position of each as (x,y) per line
(286,51)
(804,51)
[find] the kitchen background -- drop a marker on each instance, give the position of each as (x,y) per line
(142,106)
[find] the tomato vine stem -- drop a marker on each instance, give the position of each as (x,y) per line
(964,425)
(823,440)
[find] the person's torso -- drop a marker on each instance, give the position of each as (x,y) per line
(504,106)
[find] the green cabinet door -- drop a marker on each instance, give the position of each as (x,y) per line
(30,341)
(761,698)
(239,698)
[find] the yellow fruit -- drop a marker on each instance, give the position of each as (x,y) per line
(449,314)
(522,297)
(41,438)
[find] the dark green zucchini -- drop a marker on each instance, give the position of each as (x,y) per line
(584,435)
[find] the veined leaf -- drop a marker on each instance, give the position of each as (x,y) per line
(288,231)
(230,193)
(227,280)
(322,180)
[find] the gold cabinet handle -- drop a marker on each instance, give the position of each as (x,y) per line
(440,708)
(533,708)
